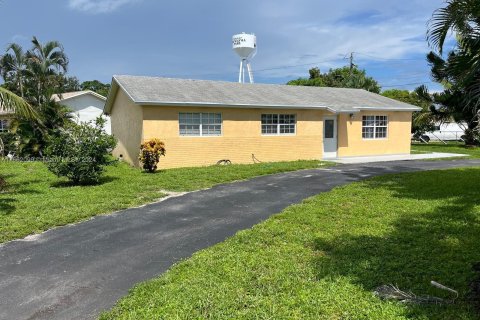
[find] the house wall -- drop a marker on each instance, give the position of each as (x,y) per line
(83,101)
(87,108)
(127,126)
(241,137)
(351,143)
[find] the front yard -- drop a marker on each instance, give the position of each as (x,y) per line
(36,200)
(322,259)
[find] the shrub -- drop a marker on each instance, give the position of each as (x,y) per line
(9,142)
(150,153)
(80,152)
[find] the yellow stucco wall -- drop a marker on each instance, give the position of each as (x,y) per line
(241,137)
(350,142)
(127,123)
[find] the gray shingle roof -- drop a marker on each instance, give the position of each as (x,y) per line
(167,91)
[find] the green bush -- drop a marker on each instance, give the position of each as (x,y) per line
(150,153)
(80,152)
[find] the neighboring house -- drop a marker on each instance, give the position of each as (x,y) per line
(86,105)
(447,131)
(202,122)
(5,118)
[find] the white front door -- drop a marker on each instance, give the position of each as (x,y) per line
(329,137)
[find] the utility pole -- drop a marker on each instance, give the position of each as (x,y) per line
(352,65)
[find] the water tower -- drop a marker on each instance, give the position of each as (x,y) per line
(245,45)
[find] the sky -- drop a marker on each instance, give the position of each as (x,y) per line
(192,38)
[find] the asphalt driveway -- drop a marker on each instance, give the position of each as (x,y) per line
(77,271)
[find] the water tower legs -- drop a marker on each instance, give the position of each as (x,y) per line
(250,73)
(240,73)
(245,64)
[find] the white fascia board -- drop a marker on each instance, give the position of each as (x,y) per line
(389,108)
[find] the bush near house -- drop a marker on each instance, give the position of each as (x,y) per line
(150,153)
(80,152)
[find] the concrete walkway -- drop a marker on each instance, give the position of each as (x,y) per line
(398,157)
(77,271)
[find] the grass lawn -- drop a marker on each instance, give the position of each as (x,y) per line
(36,200)
(450,147)
(322,259)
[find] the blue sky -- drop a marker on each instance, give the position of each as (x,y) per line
(192,39)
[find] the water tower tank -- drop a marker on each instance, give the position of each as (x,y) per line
(245,45)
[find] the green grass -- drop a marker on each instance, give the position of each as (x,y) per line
(36,200)
(322,259)
(450,147)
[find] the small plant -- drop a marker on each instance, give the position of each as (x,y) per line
(80,152)
(150,153)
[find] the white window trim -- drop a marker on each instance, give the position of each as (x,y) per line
(278,126)
(375,127)
(201,127)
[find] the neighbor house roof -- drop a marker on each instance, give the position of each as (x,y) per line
(182,92)
(71,95)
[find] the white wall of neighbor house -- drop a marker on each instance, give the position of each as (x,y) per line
(87,108)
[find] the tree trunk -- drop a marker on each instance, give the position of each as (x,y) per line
(471,134)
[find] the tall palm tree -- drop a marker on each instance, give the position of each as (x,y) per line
(46,62)
(13,65)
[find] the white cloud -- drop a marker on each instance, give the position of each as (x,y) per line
(98,6)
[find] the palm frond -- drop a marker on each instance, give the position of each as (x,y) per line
(458,16)
(10,102)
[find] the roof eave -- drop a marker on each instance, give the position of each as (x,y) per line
(57,98)
(406,109)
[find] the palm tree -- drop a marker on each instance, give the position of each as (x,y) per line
(9,101)
(462,17)
(45,63)
(13,65)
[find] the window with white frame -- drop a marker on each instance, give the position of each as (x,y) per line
(278,124)
(200,124)
(3,125)
(374,127)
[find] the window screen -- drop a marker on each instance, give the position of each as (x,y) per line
(278,124)
(374,127)
(200,124)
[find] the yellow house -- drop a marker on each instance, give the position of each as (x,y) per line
(202,122)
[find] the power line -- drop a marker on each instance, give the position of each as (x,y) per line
(264,69)
(408,84)
(389,59)
(297,65)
